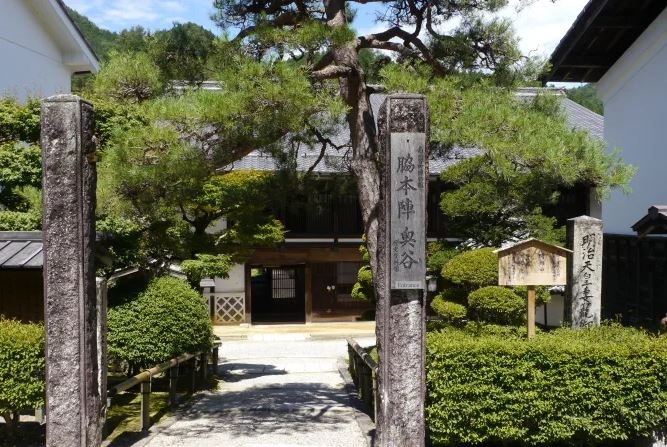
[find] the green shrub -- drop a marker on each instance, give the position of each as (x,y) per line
(542,294)
(437,255)
(19,122)
(495,304)
(21,368)
(19,221)
(589,387)
(207,266)
(472,269)
(449,311)
(166,320)
(455,294)
(363,289)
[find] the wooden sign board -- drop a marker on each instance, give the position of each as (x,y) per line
(408,210)
(532,263)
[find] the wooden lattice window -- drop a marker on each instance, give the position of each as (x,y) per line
(283,284)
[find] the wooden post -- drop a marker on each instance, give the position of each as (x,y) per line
(145,405)
(203,366)
(215,359)
(309,293)
(532,263)
(173,379)
(531,311)
(193,376)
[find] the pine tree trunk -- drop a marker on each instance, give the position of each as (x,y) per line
(11,421)
(364,165)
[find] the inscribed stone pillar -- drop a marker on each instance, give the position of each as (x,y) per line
(101,289)
(584,282)
(73,406)
(403,135)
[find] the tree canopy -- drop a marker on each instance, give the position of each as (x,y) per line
(20,166)
(162,173)
(465,58)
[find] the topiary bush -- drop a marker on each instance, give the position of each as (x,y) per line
(363,289)
(591,387)
(21,369)
(167,319)
(449,311)
(455,294)
(495,304)
(472,269)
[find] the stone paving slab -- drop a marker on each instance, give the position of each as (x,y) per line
(273,393)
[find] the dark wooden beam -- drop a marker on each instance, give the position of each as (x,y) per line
(575,33)
(588,61)
(622,22)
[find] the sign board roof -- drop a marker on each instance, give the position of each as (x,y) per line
(532,263)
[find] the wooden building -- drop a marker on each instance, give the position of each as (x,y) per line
(21,284)
(309,276)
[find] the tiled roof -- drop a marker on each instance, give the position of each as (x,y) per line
(338,160)
(21,249)
(655,222)
(579,117)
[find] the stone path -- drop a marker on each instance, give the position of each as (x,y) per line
(278,390)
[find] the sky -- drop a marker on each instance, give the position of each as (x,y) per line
(540,25)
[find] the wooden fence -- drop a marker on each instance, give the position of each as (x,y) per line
(634,279)
(198,364)
(363,370)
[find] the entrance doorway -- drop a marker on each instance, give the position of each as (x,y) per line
(278,295)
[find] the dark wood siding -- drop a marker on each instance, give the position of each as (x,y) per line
(326,212)
(634,279)
(22,294)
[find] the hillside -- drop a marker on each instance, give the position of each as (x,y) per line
(101,40)
(586,95)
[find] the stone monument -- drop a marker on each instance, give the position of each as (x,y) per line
(403,136)
(584,290)
(73,401)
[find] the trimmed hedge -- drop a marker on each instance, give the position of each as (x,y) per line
(449,311)
(590,386)
(472,269)
(21,368)
(167,319)
(495,304)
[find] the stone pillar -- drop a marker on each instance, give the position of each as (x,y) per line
(584,271)
(73,406)
(101,289)
(403,135)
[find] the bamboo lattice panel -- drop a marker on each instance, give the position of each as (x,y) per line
(228,308)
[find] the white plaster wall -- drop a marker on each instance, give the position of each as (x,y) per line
(31,63)
(634,92)
(235,282)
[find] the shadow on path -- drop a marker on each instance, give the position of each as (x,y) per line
(288,408)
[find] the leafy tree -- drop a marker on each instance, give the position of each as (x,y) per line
(158,182)
(136,39)
(20,166)
(129,77)
(415,34)
(586,95)
(477,42)
(183,52)
(529,155)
